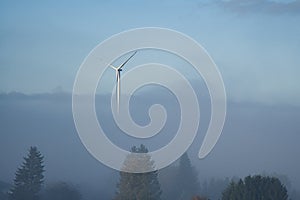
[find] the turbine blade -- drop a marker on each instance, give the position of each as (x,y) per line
(115,68)
(117,75)
(118,88)
(127,60)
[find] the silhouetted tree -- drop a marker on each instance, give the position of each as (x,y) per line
(187,183)
(138,186)
(29,177)
(256,187)
(61,191)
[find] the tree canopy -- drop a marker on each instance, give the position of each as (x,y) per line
(256,187)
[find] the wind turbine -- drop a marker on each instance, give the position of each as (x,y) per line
(118,77)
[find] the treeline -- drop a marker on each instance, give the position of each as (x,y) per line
(178,182)
(29,179)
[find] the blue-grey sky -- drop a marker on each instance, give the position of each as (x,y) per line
(255,44)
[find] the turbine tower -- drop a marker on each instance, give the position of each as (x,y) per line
(118,77)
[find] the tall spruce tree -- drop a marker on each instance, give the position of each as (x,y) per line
(138,186)
(188,184)
(29,177)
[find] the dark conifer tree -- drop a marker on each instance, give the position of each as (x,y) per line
(188,184)
(29,177)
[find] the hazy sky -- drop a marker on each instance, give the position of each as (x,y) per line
(255,44)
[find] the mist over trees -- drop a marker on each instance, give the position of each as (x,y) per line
(74,166)
(181,181)
(29,180)
(177,182)
(214,187)
(61,191)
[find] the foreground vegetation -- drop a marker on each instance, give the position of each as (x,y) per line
(181,184)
